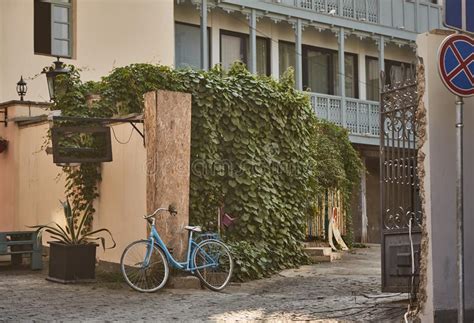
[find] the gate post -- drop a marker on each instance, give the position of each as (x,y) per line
(168,147)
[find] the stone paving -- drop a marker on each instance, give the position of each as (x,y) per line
(347,290)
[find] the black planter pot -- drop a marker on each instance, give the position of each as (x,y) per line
(71,264)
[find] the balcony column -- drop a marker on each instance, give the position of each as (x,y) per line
(299,55)
(417,15)
(381,42)
(204,39)
(363,202)
(342,74)
(253,42)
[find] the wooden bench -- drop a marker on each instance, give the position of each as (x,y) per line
(19,243)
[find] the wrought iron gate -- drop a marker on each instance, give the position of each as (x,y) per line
(399,187)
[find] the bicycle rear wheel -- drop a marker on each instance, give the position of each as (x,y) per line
(142,274)
(213,263)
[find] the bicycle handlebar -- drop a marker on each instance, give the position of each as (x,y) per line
(171,209)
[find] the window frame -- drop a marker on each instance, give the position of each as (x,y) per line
(332,73)
(209,40)
(70,23)
(246,38)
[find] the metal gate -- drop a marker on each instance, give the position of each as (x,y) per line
(399,187)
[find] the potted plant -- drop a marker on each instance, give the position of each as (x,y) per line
(72,255)
(3,144)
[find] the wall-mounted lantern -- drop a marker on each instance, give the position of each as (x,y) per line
(21,88)
(51,75)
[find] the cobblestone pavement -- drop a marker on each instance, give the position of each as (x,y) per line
(347,290)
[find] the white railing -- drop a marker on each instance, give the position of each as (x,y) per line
(411,15)
(365,10)
(359,117)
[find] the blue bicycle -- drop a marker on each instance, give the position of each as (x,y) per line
(145,263)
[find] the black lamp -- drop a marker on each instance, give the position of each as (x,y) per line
(51,75)
(21,88)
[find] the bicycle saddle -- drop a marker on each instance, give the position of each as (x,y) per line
(193,228)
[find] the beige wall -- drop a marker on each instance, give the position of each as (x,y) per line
(122,201)
(8,171)
(440,191)
(219,19)
(108,34)
(32,185)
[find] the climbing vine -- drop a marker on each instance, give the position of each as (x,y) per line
(257,149)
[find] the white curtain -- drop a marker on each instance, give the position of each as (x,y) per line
(262,56)
(372,79)
(287,56)
(231,50)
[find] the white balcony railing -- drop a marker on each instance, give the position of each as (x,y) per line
(359,117)
(365,10)
(410,15)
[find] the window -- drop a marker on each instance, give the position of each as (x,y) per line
(235,47)
(287,56)
(321,71)
(317,65)
(394,72)
(263,56)
(187,45)
(397,72)
(53,27)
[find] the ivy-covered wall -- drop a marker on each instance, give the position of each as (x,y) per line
(257,149)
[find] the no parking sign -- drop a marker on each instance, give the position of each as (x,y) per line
(456,64)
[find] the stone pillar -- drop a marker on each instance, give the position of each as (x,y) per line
(168,146)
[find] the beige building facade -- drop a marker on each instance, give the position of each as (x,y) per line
(103,35)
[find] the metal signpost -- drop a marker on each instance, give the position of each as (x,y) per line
(456,68)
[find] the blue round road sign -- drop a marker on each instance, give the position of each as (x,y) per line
(456,64)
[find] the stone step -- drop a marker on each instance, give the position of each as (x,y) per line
(318,251)
(322,254)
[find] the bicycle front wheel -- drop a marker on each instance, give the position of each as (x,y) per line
(144,266)
(213,264)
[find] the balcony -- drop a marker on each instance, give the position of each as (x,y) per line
(364,10)
(413,16)
(361,118)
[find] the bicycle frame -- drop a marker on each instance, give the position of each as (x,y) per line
(187,265)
